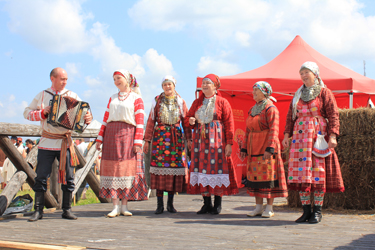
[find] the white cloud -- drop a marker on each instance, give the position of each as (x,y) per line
(11,98)
(11,109)
(334,27)
(53,26)
(92,81)
(9,53)
(72,69)
(209,65)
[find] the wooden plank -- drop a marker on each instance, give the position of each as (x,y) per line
(31,130)
(32,157)
(20,163)
(54,185)
(81,173)
(90,177)
(11,189)
(26,245)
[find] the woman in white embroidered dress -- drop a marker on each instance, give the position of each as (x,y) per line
(121,171)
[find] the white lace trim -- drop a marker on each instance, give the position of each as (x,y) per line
(167,171)
(116,182)
(211,180)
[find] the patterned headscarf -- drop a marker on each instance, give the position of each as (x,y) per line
(133,84)
(169,78)
(214,79)
(265,88)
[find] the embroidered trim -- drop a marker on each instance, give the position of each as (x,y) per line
(211,180)
(169,112)
(167,171)
(310,93)
(205,114)
(116,182)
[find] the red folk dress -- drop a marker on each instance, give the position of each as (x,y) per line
(307,172)
(265,179)
(168,166)
(210,170)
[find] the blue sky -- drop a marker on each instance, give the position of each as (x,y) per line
(184,38)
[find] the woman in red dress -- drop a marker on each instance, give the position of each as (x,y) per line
(211,169)
(265,170)
(313,111)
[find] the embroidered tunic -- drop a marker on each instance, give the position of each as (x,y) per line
(131,111)
(34,112)
(265,179)
(306,172)
(168,159)
(210,170)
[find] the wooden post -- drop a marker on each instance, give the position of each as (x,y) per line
(54,185)
(87,173)
(11,189)
(20,163)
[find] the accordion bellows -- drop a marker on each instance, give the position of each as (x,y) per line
(68,112)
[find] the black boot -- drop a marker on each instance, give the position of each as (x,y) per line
(217,205)
(160,208)
(316,216)
(207,205)
(170,207)
(67,205)
(38,206)
(306,214)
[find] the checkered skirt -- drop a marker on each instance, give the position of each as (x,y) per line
(118,160)
(210,170)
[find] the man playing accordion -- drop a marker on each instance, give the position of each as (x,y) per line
(56,142)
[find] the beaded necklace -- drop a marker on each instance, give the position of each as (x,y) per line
(123,95)
(258,108)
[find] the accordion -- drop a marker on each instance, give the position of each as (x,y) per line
(67,112)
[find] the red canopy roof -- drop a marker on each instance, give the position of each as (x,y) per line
(283,73)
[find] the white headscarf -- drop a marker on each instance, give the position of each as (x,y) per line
(313,67)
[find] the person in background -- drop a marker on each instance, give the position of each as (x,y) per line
(121,170)
(313,111)
(29,145)
(265,169)
(168,160)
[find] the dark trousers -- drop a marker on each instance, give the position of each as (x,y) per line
(44,169)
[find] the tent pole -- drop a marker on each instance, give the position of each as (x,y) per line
(350,100)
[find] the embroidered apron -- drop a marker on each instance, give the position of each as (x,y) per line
(304,167)
(260,173)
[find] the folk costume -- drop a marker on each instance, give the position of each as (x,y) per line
(211,172)
(122,170)
(313,111)
(55,142)
(265,178)
(168,167)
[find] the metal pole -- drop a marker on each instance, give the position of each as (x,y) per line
(350,100)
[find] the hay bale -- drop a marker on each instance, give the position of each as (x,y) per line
(359,121)
(356,154)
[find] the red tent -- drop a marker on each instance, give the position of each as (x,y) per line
(350,88)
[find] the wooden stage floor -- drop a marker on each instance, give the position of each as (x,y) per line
(186,230)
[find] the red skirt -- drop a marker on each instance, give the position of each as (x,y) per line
(121,171)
